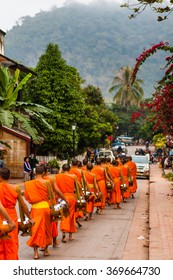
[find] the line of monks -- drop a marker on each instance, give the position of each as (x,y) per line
(83,187)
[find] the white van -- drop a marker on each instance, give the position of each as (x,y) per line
(143,166)
(106,153)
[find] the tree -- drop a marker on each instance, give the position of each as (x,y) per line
(58,87)
(157,6)
(162,102)
(127,94)
(98,120)
(14,113)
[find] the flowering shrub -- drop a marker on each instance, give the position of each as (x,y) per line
(162,102)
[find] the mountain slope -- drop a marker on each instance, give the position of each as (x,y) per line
(97,39)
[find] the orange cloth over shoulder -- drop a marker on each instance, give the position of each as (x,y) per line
(133,169)
(9,248)
(116,193)
(100,177)
(66,184)
(35,192)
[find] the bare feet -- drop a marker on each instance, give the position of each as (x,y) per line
(64,238)
(46,252)
(56,243)
(41,249)
(79,225)
(70,237)
(36,256)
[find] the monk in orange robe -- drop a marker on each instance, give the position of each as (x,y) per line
(50,177)
(4,216)
(125,174)
(133,169)
(92,188)
(36,193)
(84,166)
(75,170)
(107,165)
(66,183)
(8,195)
(101,177)
(116,174)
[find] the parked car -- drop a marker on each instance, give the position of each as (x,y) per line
(105,153)
(119,145)
(143,166)
(126,140)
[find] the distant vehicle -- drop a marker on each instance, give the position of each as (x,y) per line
(143,166)
(125,139)
(119,145)
(106,153)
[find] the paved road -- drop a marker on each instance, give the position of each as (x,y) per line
(106,236)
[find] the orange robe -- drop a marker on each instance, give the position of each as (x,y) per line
(107,166)
(54,224)
(125,171)
(66,184)
(78,172)
(9,247)
(116,193)
(90,179)
(133,169)
(100,177)
(36,193)
(84,167)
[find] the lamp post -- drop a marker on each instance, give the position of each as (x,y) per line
(73,129)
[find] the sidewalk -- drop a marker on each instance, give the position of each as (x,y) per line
(151,232)
(160,216)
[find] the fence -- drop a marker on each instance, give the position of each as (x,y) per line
(46,159)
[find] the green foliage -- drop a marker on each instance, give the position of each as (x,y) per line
(169,176)
(127,94)
(58,87)
(159,140)
(157,6)
(54,163)
(14,113)
(98,121)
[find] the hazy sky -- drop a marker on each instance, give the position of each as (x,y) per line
(13,10)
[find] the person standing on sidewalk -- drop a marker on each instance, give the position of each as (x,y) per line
(26,169)
(33,163)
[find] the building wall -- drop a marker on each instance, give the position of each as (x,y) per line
(14,158)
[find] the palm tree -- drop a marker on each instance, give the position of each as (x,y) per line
(127,94)
(19,114)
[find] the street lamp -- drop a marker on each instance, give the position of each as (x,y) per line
(73,129)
